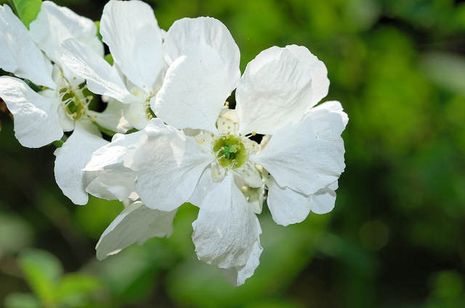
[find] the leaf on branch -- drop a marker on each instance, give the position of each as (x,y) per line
(27,10)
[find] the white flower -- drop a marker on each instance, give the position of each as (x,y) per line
(116,181)
(130,30)
(135,224)
(223,159)
(62,103)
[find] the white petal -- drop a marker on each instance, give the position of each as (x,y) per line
(101,77)
(278,87)
(228,123)
(249,174)
(186,34)
(36,118)
(320,81)
(168,167)
(66,122)
(136,114)
(55,24)
(115,183)
(323,201)
(135,224)
(108,174)
(18,53)
(289,207)
(202,188)
(246,271)
(112,117)
(306,156)
(71,159)
(226,232)
(204,70)
(131,31)
(286,205)
(333,106)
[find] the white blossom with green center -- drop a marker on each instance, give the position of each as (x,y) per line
(231,152)
(57,102)
(197,151)
(131,31)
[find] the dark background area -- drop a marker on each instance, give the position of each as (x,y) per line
(397,235)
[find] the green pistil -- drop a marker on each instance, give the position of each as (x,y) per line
(230,151)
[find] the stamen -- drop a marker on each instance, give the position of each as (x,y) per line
(74,102)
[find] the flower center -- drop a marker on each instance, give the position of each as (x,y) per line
(230,151)
(74,102)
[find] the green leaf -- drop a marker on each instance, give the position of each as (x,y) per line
(58,143)
(21,300)
(76,289)
(95,217)
(109,58)
(129,275)
(97,25)
(27,10)
(446,70)
(42,271)
(15,234)
(448,285)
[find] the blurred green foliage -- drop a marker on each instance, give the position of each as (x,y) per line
(44,274)
(397,235)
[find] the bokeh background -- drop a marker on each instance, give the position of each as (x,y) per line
(397,235)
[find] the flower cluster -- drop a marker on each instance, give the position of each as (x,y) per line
(184,124)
